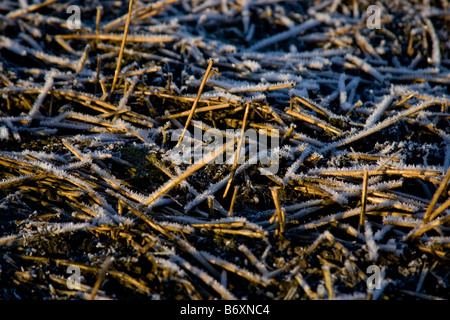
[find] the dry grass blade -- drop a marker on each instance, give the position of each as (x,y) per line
(152,224)
(176,180)
(197,110)
(194,105)
(363,200)
(241,232)
(436,196)
(313,121)
(224,293)
(440,209)
(117,37)
(21,12)
(233,199)
(238,150)
(237,270)
(313,106)
(301,281)
(83,58)
(101,277)
(280,213)
(254,260)
(421,295)
(97,20)
(419,229)
(328,282)
(122,46)
(419,173)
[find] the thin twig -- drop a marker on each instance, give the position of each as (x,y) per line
(194,105)
(437,194)
(101,277)
(233,199)
(363,200)
(21,12)
(122,47)
(237,154)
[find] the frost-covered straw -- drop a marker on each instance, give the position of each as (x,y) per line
(365,66)
(176,180)
(194,105)
(435,44)
(381,125)
(435,198)
(21,12)
(238,150)
(206,278)
(363,199)
(83,59)
(40,99)
(122,47)
(309,24)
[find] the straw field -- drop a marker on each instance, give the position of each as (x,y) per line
(349,200)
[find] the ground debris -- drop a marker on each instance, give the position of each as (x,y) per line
(122,132)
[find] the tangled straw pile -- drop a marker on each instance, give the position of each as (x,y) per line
(90,179)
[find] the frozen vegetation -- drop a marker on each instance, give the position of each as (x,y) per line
(89,175)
